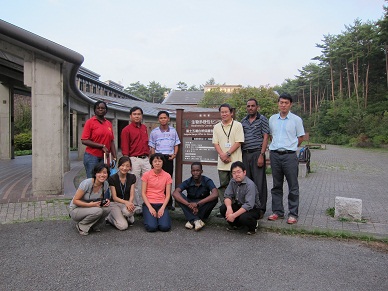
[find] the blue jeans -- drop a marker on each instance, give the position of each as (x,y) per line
(153,224)
(90,162)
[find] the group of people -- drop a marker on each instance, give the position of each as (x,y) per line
(143,182)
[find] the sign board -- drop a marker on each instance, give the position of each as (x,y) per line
(197,134)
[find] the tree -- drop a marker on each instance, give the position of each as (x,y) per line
(182,86)
(213,98)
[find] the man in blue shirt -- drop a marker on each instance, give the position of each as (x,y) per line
(201,198)
(287,134)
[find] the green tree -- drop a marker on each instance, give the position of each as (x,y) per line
(213,98)
(182,86)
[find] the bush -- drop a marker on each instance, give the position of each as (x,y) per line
(23,141)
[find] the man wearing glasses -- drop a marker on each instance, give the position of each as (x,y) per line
(241,201)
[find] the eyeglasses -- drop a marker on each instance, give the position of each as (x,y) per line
(237,172)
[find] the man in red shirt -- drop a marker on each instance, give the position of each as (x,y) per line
(134,144)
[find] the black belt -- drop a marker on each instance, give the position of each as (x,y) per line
(140,157)
(284,152)
(251,151)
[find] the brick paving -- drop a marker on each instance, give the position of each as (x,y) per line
(336,171)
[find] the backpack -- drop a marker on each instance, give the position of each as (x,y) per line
(304,156)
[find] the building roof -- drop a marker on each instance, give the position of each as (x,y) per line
(149,109)
(176,97)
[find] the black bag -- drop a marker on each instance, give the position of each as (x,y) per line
(304,156)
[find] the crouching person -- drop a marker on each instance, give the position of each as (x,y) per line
(122,189)
(89,207)
(241,200)
(201,198)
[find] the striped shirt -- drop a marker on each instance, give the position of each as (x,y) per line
(254,132)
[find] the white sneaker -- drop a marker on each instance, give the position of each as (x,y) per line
(198,224)
(131,220)
(189,225)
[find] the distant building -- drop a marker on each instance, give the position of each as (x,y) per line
(186,98)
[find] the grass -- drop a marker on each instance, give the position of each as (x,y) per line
(331,211)
(23,153)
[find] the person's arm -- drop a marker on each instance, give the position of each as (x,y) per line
(223,156)
(125,142)
(231,217)
(261,159)
(161,209)
(113,149)
(77,200)
(300,140)
(173,156)
(145,199)
(178,197)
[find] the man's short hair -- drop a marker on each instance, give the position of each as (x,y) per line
(163,112)
(253,99)
(134,108)
(227,106)
(285,96)
(238,164)
(196,164)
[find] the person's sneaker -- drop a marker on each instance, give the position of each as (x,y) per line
(291,220)
(250,232)
(274,217)
(189,225)
(131,220)
(81,232)
(231,228)
(198,224)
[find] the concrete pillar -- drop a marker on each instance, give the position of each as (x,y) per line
(46,81)
(5,122)
(81,120)
(66,135)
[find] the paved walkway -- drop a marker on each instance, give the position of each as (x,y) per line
(337,171)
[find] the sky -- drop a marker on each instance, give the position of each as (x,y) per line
(237,42)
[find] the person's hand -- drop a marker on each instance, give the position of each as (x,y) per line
(105,150)
(230,217)
(107,203)
(130,206)
(260,161)
(160,212)
(152,211)
(171,157)
(229,211)
(94,204)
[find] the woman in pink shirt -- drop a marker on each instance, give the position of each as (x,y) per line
(155,190)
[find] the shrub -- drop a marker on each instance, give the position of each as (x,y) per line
(23,141)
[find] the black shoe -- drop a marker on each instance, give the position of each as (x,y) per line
(261,215)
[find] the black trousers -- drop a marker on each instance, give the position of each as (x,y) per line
(168,166)
(248,218)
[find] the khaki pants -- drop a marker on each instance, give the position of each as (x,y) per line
(118,215)
(87,217)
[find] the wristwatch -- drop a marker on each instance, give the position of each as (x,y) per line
(263,154)
(229,154)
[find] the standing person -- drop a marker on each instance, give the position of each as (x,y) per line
(122,189)
(227,138)
(98,138)
(201,198)
(164,139)
(256,132)
(134,144)
(156,189)
(287,133)
(242,204)
(89,207)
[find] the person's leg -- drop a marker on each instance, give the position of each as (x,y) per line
(116,217)
(86,217)
(90,162)
(187,211)
(136,170)
(224,182)
(150,222)
(278,177)
(249,219)
(291,173)
(164,222)
(258,176)
(205,210)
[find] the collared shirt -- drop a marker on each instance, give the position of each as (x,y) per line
(164,141)
(197,192)
(228,134)
(99,132)
(245,193)
(254,132)
(156,185)
(285,131)
(134,140)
